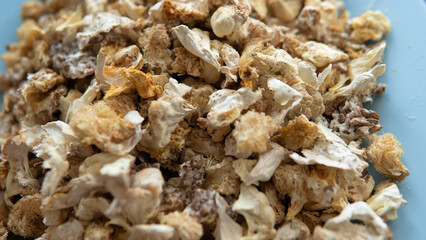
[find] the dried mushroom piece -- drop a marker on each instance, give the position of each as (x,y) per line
(369,26)
(293,230)
(25,217)
(264,167)
(331,151)
(226,227)
(251,134)
(386,200)
(320,54)
(100,124)
(259,215)
(356,221)
(386,153)
(299,134)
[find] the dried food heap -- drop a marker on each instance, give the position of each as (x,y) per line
(195,119)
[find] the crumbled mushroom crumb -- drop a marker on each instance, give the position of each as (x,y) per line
(186,119)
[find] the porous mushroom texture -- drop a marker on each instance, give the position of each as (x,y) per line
(356,221)
(100,124)
(331,151)
(290,180)
(386,200)
(143,197)
(251,134)
(386,153)
(186,11)
(164,116)
(299,133)
(230,20)
(225,107)
(371,25)
(186,227)
(25,218)
(98,23)
(195,119)
(320,54)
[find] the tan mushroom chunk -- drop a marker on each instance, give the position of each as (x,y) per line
(386,153)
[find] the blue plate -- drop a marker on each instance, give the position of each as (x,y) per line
(402,108)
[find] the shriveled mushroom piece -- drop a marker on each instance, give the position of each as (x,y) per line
(58,143)
(320,54)
(386,153)
(251,134)
(164,116)
(19,179)
(225,107)
(293,230)
(259,58)
(231,58)
(124,75)
(141,200)
(101,124)
(259,215)
(278,98)
(39,84)
(308,75)
(369,26)
(299,133)
(264,168)
(356,221)
(331,151)
(222,178)
(226,227)
(25,218)
(186,227)
(228,20)
(290,180)
(186,11)
(96,24)
(198,43)
(386,200)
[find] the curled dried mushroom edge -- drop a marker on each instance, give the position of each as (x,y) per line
(195,119)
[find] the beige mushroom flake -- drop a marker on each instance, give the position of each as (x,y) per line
(195,119)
